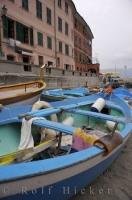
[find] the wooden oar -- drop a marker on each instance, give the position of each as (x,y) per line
(26,154)
(11,157)
(39,148)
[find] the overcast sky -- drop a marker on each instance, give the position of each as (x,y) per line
(111,24)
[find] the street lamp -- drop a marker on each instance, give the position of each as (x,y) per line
(3,12)
(125,73)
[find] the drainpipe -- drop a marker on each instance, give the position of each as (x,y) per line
(0,36)
(55,33)
(3,12)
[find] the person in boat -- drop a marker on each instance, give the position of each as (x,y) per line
(108,88)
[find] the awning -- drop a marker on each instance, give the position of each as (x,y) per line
(27,53)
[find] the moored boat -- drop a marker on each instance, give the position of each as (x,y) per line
(61,94)
(60,176)
(22,93)
(124,94)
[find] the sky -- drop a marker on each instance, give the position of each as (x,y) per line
(111,24)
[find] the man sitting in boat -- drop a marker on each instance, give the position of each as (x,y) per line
(108,88)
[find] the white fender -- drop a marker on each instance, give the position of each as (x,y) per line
(67,139)
(99,104)
(68,121)
(45,133)
(110,125)
(42,105)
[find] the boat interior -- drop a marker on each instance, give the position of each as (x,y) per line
(57,135)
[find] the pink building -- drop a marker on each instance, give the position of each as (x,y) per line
(39,31)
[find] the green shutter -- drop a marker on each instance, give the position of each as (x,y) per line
(31,37)
(40,39)
(19,32)
(5,26)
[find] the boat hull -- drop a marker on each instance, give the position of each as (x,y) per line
(50,98)
(60,184)
(25,101)
(21,94)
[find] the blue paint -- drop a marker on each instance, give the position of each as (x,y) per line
(45,166)
(25,170)
(75,184)
(123,92)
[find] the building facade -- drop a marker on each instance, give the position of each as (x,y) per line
(83,37)
(45,32)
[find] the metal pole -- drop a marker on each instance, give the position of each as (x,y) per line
(3,12)
(115,69)
(0,35)
(55,32)
(125,74)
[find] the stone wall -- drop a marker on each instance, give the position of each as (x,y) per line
(11,72)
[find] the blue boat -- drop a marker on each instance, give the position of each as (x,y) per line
(61,94)
(62,176)
(124,94)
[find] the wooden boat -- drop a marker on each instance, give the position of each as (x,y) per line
(61,94)
(51,177)
(124,94)
(22,93)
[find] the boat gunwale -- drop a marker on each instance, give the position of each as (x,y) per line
(23,96)
(20,84)
(100,152)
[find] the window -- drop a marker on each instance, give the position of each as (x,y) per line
(80,42)
(59,24)
(80,58)
(25,4)
(40,39)
(59,3)
(60,46)
(8,27)
(67,67)
(49,16)
(90,43)
(58,61)
(10,57)
(22,33)
(27,68)
(66,28)
(75,24)
(49,42)
(31,37)
(66,49)
(41,61)
(39,9)
(66,7)
(50,64)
